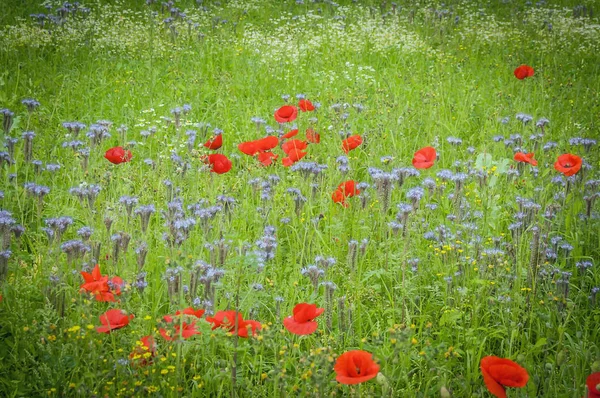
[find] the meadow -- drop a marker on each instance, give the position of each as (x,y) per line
(262,198)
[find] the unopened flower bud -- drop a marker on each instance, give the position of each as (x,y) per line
(382,380)
(444,393)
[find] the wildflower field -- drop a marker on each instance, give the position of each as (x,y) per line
(273,198)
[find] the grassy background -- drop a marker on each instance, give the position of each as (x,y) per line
(421,79)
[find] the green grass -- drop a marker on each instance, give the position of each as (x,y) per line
(421,79)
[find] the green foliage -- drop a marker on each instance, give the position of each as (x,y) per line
(423,72)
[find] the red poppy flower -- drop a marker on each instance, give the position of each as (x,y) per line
(99,285)
(312,136)
(224,319)
(289,134)
(523,71)
(351,143)
(592,382)
(139,356)
(500,372)
(348,188)
(251,148)
(525,158)
(294,155)
(267,158)
(219,163)
(568,164)
(180,328)
(305,105)
(424,158)
(113,319)
(290,145)
(344,190)
(214,143)
(248,324)
(118,155)
(354,367)
(302,322)
(227,320)
(95,281)
(286,114)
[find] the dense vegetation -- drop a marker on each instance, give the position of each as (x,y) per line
(429,269)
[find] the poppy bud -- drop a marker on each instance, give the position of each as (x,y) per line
(596,366)
(444,393)
(549,366)
(382,380)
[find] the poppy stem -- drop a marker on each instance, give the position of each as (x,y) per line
(403,281)
(236,335)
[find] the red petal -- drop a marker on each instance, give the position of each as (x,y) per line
(592,383)
(349,188)
(267,158)
(296,154)
(351,143)
(509,375)
(525,158)
(164,334)
(493,387)
(289,146)
(106,297)
(305,105)
(248,148)
(149,343)
(499,372)
(96,274)
(188,330)
(312,137)
(191,311)
(225,319)
(113,319)
(304,312)
(338,196)
(220,163)
(87,277)
(267,143)
(248,325)
(299,328)
(289,134)
(215,143)
(287,162)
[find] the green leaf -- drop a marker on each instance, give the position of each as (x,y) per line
(450,318)
(484,160)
